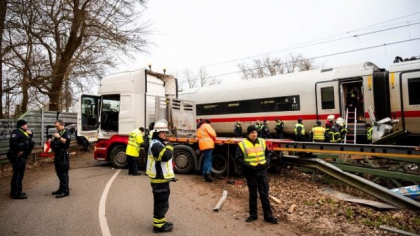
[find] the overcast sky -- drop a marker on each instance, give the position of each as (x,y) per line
(207,33)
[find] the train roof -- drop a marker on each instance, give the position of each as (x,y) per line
(279,85)
(404,66)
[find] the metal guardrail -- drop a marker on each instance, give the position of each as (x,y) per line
(355,181)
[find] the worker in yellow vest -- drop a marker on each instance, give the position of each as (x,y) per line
(369,130)
(300,131)
(135,140)
(318,133)
(253,156)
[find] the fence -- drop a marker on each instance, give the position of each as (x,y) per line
(39,122)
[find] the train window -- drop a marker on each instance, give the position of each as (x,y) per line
(268,105)
(413,91)
(327,98)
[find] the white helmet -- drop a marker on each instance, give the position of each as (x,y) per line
(340,121)
(330,117)
(161,126)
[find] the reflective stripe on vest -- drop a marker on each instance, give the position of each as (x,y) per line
(369,133)
(166,166)
(133,147)
(318,133)
(335,137)
(254,155)
(300,125)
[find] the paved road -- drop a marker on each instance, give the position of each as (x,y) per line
(128,207)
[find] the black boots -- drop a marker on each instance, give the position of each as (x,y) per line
(167,227)
(20,196)
(56,192)
(61,195)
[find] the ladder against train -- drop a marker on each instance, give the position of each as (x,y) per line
(351,126)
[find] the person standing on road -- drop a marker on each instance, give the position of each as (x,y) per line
(159,168)
(206,137)
(135,140)
(279,128)
(20,147)
(253,156)
(60,145)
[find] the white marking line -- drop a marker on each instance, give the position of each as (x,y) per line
(102,203)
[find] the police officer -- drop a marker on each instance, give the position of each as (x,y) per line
(265,132)
(135,140)
(20,146)
(369,130)
(279,128)
(253,156)
(60,145)
(300,131)
(160,171)
(237,130)
(318,133)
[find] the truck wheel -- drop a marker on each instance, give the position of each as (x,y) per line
(220,164)
(118,158)
(184,161)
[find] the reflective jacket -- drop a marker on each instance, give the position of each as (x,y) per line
(159,166)
(302,130)
(253,154)
(369,133)
(135,139)
(279,126)
(206,136)
(334,135)
(318,133)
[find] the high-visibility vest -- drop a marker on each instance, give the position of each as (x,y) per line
(318,133)
(278,124)
(300,125)
(369,133)
(166,166)
(253,154)
(206,136)
(135,139)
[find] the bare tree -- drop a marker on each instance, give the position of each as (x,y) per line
(205,78)
(275,66)
(70,40)
(3,10)
(201,79)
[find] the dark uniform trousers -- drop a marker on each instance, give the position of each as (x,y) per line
(18,165)
(161,194)
(132,165)
(257,181)
(61,162)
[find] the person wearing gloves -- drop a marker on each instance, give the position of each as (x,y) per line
(159,168)
(253,156)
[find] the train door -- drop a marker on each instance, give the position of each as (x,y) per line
(410,100)
(381,95)
(327,99)
(351,99)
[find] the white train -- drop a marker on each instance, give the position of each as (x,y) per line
(313,95)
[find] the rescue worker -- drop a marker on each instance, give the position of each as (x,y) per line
(330,121)
(300,131)
(206,137)
(20,146)
(369,131)
(253,156)
(334,134)
(279,128)
(258,125)
(135,141)
(60,145)
(327,131)
(237,130)
(160,171)
(352,98)
(342,127)
(318,133)
(265,132)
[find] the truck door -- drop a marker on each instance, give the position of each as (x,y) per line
(327,100)
(88,117)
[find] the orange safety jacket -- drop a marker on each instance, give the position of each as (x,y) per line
(206,137)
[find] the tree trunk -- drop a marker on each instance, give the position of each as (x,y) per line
(3,10)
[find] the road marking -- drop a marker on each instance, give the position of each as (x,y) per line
(102,216)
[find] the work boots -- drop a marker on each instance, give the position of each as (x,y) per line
(56,192)
(167,227)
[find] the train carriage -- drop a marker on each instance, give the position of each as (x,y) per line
(313,95)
